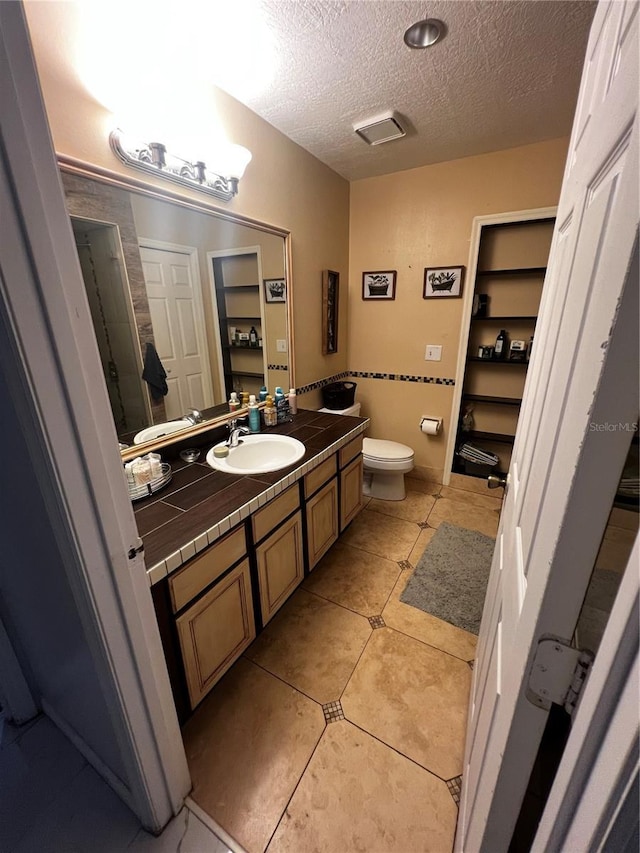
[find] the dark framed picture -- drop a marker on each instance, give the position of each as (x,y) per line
(442,282)
(275,290)
(330,299)
(379,285)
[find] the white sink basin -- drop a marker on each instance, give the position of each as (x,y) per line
(158,430)
(258,454)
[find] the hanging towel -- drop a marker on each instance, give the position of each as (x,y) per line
(154,374)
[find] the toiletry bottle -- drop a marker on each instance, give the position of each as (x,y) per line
(293,401)
(282,406)
(253,337)
(269,412)
(530,348)
(262,394)
(254,414)
(234,403)
(245,399)
(501,345)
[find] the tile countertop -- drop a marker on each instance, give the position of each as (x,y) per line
(200,504)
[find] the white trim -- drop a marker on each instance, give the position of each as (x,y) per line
(192,254)
(227,253)
(479,222)
(15,695)
(61,400)
(214,826)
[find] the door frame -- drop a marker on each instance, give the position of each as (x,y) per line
(479,222)
(192,254)
(58,390)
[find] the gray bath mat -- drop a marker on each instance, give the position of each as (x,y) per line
(450,580)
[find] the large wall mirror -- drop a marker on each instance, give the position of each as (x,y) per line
(197,300)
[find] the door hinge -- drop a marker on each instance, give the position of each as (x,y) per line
(558,674)
(137,549)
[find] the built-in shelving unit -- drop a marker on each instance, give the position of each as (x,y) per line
(510,270)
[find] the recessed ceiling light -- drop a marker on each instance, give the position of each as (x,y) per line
(381,129)
(424,33)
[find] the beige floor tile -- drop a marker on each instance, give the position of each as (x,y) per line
(464,515)
(392,538)
(469,484)
(415,507)
(412,697)
(422,541)
(427,487)
(616,547)
(247,746)
(359,795)
(425,627)
(354,579)
(486,501)
(313,645)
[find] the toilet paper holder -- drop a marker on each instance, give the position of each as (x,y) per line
(430,426)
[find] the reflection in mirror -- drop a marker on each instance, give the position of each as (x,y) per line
(179,292)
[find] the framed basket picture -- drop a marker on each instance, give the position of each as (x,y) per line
(379,285)
(441,282)
(275,290)
(330,302)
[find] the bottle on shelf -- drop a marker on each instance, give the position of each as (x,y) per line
(262,394)
(234,403)
(245,399)
(254,414)
(269,413)
(530,348)
(282,406)
(253,337)
(500,350)
(293,401)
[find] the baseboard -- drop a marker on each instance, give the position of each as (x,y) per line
(208,821)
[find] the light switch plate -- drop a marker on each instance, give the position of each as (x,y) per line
(281,345)
(433,352)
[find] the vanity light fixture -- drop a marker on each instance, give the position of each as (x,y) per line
(424,33)
(152,158)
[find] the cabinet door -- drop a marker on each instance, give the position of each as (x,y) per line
(280,565)
(322,522)
(216,630)
(350,492)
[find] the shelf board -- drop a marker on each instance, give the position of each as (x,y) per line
(486,436)
(240,347)
(499,401)
(504,363)
(244,373)
(511,318)
(243,319)
(240,286)
(520,271)
(627,502)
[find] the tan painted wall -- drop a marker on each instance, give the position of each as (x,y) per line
(284,186)
(405,222)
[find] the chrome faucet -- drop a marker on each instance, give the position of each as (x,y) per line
(235,432)
(194,416)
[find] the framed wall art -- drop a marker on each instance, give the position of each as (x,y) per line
(441,282)
(379,285)
(275,290)
(330,299)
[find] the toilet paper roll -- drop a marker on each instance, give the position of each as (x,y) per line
(431,426)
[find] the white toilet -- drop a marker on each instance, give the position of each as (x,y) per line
(385,463)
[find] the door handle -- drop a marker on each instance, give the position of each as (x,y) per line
(494,481)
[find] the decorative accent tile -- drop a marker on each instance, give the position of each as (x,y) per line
(455,786)
(404,564)
(377,622)
(402,377)
(333,712)
(471,663)
(277,367)
(313,386)
(437,497)
(423,525)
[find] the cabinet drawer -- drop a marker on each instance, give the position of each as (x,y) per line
(216,630)
(185,584)
(316,478)
(350,492)
(322,522)
(350,451)
(274,512)
(280,566)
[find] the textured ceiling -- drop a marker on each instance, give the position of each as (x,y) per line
(507,73)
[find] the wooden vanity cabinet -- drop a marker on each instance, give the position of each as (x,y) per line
(215,631)
(280,565)
(322,522)
(351,472)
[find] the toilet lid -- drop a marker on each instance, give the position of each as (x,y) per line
(379,448)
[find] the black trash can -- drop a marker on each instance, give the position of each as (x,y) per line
(339,395)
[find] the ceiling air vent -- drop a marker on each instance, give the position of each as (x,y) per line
(384,128)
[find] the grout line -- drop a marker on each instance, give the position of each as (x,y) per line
(284,681)
(356,665)
(429,645)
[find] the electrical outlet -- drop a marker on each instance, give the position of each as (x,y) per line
(433,353)
(281,345)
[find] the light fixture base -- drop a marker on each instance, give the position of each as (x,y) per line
(384,128)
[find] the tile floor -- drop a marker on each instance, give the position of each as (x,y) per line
(52,801)
(342,727)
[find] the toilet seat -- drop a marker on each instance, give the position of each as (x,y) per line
(382,450)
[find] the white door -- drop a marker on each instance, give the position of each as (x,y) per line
(178,329)
(564,470)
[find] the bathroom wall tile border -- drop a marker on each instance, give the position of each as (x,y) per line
(189,549)
(371,374)
(277,367)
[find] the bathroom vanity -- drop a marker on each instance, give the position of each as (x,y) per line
(225,552)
